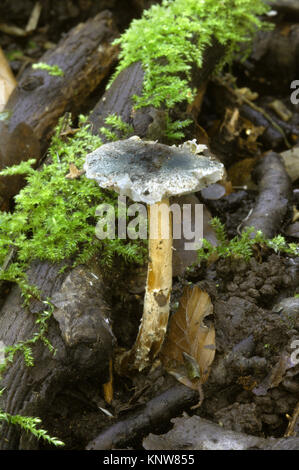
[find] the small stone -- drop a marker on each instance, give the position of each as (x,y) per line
(268,290)
(254,293)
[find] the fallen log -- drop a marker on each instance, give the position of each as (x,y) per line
(85,56)
(148,122)
(78,330)
(277,133)
(172,63)
(195,433)
(155,413)
(289,7)
(274,195)
(276,50)
(144,4)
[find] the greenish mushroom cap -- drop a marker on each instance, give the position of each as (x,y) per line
(147,171)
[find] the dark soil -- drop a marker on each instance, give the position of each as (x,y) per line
(250,340)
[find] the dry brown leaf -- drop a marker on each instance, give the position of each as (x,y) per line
(7,81)
(295,214)
(189,349)
(240,172)
(74,172)
(275,376)
(201,135)
(234,126)
(252,133)
(230,124)
(195,107)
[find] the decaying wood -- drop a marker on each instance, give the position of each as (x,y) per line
(274,195)
(85,55)
(275,56)
(79,331)
(196,434)
(144,4)
(157,412)
(289,7)
(275,132)
(147,122)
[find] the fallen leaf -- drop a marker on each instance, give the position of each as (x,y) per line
(189,349)
(195,107)
(230,123)
(235,126)
(275,376)
(295,214)
(240,173)
(74,172)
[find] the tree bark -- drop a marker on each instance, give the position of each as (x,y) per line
(85,55)
(78,330)
(148,122)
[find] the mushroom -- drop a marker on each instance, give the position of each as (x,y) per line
(151,173)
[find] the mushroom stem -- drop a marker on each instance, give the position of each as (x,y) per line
(158,287)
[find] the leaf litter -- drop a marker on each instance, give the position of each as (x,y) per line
(189,348)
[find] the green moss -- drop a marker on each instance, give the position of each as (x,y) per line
(25,347)
(54,70)
(113,124)
(170,39)
(29,424)
(242,246)
(54,220)
(54,217)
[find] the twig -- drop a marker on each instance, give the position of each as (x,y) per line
(155,413)
(292,422)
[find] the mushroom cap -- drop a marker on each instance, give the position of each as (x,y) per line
(146,171)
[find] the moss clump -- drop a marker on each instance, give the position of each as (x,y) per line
(54,217)
(170,39)
(29,424)
(114,127)
(242,246)
(53,70)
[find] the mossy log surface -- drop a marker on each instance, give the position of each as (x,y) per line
(85,56)
(79,331)
(148,122)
